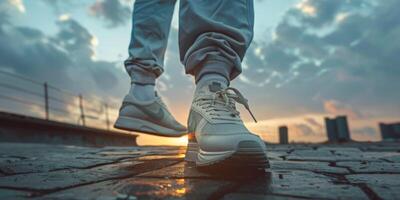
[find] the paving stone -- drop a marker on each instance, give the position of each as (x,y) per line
(13,194)
(154,157)
(174,188)
(381,156)
(145,188)
(97,191)
(69,157)
(188,170)
(392,157)
(277,155)
(180,170)
(308,185)
(307,165)
(74,177)
(64,178)
(46,164)
(392,192)
(37,151)
(371,167)
(242,196)
(375,179)
(327,154)
(293,183)
(16,159)
(386,186)
(289,147)
(384,147)
(147,150)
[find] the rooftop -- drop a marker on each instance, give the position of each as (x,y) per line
(345,171)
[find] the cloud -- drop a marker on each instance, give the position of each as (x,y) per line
(306,8)
(313,123)
(4,18)
(64,59)
(114,12)
(336,108)
(302,130)
(18,4)
(62,6)
(322,49)
(9,8)
(365,131)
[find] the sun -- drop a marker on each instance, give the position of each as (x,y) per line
(182,141)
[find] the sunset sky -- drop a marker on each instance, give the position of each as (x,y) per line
(309,59)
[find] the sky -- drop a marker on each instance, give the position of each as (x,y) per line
(309,59)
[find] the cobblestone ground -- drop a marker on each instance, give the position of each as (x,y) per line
(349,171)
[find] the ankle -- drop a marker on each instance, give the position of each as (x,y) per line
(207,79)
(143,92)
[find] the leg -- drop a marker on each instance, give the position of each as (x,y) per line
(142,109)
(214,36)
(150,29)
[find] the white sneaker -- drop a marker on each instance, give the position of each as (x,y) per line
(217,135)
(151,117)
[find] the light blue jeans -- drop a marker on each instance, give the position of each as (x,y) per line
(213,37)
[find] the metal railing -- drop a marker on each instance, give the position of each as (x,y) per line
(23,95)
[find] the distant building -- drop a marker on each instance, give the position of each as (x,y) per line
(283,135)
(390,131)
(337,129)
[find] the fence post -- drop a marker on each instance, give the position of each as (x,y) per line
(81,108)
(46,100)
(107,118)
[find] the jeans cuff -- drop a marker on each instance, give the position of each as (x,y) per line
(141,76)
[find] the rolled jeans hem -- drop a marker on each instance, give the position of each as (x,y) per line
(142,76)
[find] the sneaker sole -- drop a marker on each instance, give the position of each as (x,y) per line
(249,154)
(142,126)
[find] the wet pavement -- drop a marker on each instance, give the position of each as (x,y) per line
(348,171)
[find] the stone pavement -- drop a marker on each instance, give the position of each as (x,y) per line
(348,171)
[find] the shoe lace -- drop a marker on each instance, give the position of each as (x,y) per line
(221,104)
